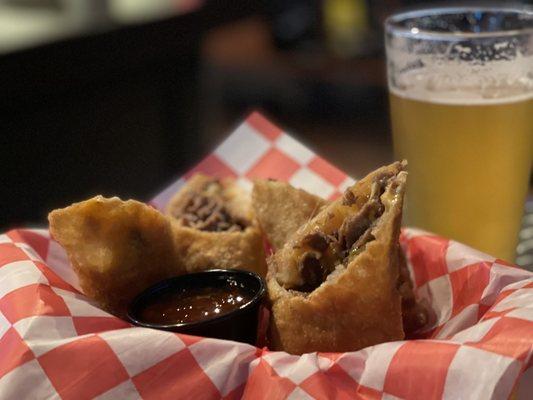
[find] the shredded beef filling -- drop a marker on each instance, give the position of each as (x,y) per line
(317,241)
(328,251)
(348,198)
(207,213)
(313,273)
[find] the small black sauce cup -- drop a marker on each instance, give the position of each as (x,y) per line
(239,324)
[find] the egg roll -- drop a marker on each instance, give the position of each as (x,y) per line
(333,287)
(215,226)
(281,209)
(117,248)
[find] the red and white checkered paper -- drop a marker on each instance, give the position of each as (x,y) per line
(55,343)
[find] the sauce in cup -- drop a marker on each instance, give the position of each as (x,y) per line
(195,304)
(221,304)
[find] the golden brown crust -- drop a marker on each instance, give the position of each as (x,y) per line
(117,248)
(358,305)
(226,250)
(281,209)
(241,249)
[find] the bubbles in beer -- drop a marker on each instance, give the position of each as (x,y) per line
(457,82)
(460,56)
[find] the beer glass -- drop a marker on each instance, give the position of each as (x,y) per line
(461,100)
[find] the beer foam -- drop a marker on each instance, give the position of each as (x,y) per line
(456,83)
(459,97)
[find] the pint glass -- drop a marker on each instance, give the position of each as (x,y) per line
(461,100)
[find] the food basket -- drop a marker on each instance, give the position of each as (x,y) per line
(55,343)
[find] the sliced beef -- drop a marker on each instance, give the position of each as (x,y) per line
(356,225)
(348,198)
(311,271)
(327,251)
(353,227)
(362,241)
(317,241)
(207,213)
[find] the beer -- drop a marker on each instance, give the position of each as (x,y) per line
(469,163)
(461,97)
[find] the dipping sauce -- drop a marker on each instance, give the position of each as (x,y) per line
(195,304)
(216,303)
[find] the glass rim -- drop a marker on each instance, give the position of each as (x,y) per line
(430,34)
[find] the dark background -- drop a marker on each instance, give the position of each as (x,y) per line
(121,97)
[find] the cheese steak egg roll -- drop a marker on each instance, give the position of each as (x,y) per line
(281,209)
(215,226)
(117,248)
(333,285)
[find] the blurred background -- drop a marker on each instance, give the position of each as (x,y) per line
(120,97)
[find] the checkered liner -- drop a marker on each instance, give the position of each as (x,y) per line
(54,343)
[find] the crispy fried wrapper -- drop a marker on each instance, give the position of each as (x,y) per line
(216,227)
(117,248)
(333,286)
(281,209)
